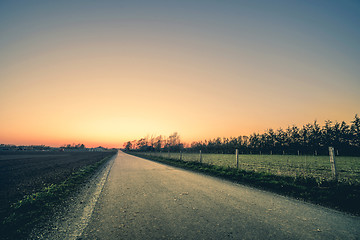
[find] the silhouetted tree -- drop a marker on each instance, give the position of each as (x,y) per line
(128,146)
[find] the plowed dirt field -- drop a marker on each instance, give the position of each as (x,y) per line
(24,173)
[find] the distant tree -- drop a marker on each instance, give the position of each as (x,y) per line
(254,141)
(355,131)
(127,146)
(142,144)
(158,143)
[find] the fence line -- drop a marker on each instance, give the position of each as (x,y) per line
(343,169)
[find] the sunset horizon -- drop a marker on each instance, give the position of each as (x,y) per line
(186,143)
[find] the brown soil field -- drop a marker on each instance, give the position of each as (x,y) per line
(24,173)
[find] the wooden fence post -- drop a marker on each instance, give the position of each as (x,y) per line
(237,158)
(200,157)
(332,162)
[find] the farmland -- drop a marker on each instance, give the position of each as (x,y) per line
(283,165)
(26,173)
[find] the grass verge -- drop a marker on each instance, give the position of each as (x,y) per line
(341,196)
(33,209)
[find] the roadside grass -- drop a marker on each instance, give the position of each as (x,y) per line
(33,209)
(348,168)
(343,196)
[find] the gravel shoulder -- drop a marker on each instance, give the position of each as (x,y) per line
(72,217)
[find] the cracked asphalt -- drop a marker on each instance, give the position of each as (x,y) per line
(146,200)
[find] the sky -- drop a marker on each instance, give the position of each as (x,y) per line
(107,72)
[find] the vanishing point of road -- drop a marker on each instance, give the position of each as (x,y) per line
(142,199)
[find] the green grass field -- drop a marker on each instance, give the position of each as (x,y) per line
(318,167)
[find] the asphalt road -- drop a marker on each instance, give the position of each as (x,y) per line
(146,200)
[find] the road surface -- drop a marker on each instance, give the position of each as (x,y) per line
(147,200)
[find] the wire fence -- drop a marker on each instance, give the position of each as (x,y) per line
(319,167)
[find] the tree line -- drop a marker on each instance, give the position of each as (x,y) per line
(159,143)
(73,146)
(310,139)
